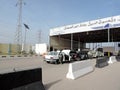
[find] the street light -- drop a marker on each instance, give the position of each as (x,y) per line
(26,27)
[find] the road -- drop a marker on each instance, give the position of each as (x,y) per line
(54,76)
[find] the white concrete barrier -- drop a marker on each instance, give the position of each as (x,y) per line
(112,59)
(79,68)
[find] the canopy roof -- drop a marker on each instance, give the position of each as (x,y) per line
(94,36)
(91,31)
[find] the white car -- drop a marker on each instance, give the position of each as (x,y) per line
(52,57)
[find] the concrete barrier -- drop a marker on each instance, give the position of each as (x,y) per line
(118,58)
(112,59)
(3,56)
(16,77)
(102,62)
(79,69)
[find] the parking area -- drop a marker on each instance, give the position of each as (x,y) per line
(54,76)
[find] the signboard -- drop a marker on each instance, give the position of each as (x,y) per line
(100,24)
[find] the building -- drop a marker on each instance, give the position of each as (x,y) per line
(77,36)
(41,49)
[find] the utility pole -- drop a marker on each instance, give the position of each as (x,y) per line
(18,36)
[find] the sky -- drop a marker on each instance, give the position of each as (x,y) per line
(42,15)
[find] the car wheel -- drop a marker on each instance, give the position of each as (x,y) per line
(57,61)
(61,59)
(48,62)
(78,59)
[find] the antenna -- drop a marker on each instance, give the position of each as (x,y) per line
(18,36)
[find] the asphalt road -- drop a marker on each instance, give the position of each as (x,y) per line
(54,76)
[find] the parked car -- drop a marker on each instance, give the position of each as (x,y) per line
(52,57)
(95,54)
(82,55)
(67,55)
(73,55)
(64,56)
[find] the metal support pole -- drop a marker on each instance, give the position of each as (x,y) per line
(89,45)
(59,41)
(108,40)
(93,45)
(78,42)
(108,34)
(71,41)
(25,40)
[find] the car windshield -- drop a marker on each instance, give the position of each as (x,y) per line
(52,53)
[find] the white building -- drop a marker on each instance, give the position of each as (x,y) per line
(41,49)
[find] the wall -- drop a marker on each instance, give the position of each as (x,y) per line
(61,43)
(10,49)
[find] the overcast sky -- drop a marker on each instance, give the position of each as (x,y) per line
(41,15)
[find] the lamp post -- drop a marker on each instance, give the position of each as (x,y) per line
(24,46)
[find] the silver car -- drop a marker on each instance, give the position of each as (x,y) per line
(52,57)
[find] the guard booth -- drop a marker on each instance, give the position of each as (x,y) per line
(77,36)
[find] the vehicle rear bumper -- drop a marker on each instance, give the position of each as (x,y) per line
(51,60)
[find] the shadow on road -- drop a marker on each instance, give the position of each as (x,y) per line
(47,86)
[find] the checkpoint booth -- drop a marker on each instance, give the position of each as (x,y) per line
(76,36)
